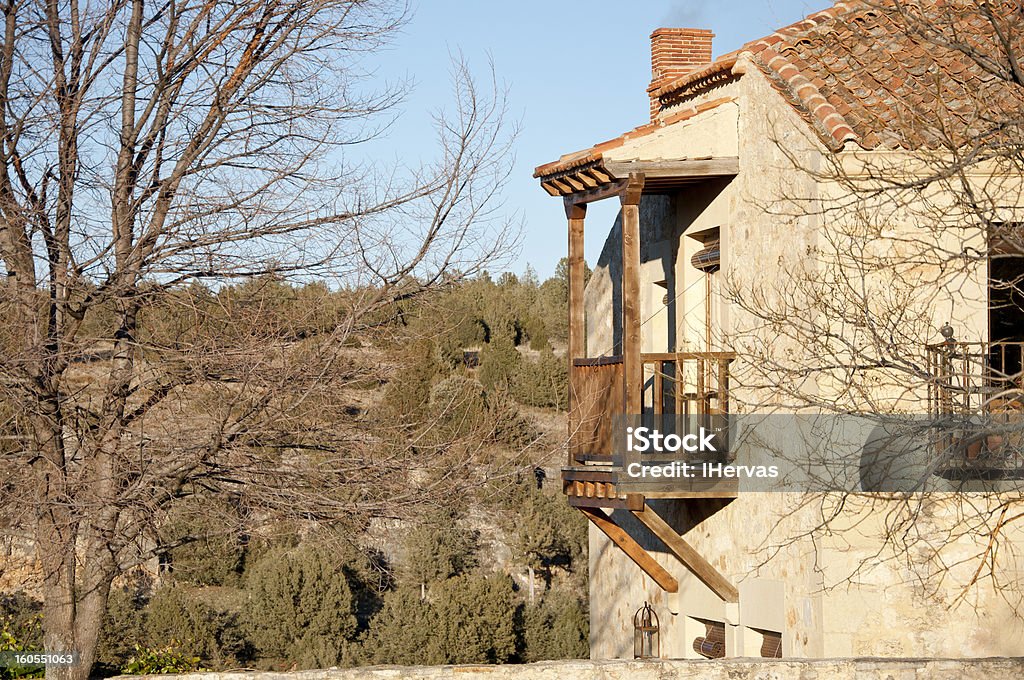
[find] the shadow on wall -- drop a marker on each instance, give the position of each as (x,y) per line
(619,591)
(887,463)
(664,218)
(657,222)
(610,264)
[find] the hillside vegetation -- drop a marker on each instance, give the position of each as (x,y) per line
(494,573)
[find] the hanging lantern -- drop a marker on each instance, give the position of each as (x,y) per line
(646,638)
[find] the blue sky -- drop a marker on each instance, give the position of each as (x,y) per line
(576,74)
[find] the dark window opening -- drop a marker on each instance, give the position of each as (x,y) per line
(1006,306)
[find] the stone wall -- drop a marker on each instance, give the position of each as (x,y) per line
(851,592)
(725,669)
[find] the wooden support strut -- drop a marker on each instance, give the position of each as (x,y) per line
(632,366)
(692,559)
(633,549)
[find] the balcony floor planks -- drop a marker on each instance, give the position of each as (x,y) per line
(664,489)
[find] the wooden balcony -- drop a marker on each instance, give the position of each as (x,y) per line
(641,385)
(693,385)
(976,405)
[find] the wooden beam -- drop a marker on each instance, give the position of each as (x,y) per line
(693,560)
(586,473)
(635,501)
(720,490)
(632,549)
(550,188)
(574,182)
(598,361)
(630,501)
(610,503)
(633,371)
(561,185)
(602,192)
(576,214)
(711,167)
(683,356)
(588,180)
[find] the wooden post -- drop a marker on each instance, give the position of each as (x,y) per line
(575,212)
(633,370)
(702,394)
(659,388)
(682,406)
(723,386)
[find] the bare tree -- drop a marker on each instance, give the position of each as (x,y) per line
(891,310)
(150,147)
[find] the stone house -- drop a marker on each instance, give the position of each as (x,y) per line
(791,240)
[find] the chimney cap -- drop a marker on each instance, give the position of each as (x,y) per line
(665,30)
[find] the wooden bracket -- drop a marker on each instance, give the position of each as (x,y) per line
(633,549)
(633,190)
(692,559)
(574,210)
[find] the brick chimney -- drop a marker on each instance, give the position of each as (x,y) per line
(676,52)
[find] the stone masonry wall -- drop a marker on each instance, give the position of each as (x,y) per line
(723,669)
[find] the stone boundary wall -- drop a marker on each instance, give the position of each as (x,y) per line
(722,669)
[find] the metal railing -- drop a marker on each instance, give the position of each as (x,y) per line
(976,402)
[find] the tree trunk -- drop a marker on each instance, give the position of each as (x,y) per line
(55,548)
(56,524)
(59,608)
(532,586)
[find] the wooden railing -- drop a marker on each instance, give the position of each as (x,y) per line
(687,383)
(976,400)
(683,383)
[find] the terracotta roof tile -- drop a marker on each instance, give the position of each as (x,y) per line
(874,74)
(855,73)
